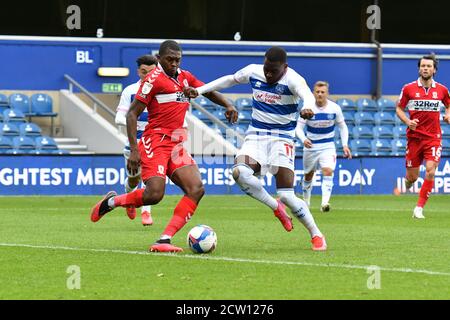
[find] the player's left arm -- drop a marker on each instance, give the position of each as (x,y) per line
(299,87)
(343,129)
(446,102)
(230,111)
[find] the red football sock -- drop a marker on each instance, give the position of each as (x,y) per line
(425,191)
(130,199)
(182,214)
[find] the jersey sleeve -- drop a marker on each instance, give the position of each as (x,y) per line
(243,75)
(299,87)
(147,91)
(339,115)
(192,80)
(403,99)
(446,100)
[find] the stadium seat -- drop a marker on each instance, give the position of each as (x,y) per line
(349,117)
(9,129)
(365,105)
(361,147)
(45,142)
(363,132)
(339,148)
(245,116)
(206,103)
(386,105)
(243,103)
(398,147)
(4,104)
(384,118)
(383,132)
(23,143)
(60,151)
(399,132)
(445,132)
(399,122)
(20,102)
(42,105)
(13,115)
(5,143)
(29,129)
(446,147)
(203,117)
(242,128)
(362,118)
(347,104)
(381,147)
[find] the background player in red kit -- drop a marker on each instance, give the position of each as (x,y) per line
(160,151)
(423,99)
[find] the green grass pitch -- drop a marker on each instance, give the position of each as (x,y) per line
(41,237)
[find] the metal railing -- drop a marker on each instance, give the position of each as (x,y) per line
(95,100)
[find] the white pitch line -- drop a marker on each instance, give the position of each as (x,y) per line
(213,258)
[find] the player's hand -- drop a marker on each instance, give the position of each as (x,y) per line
(134,161)
(306,114)
(307,144)
(231,114)
(412,124)
(447,118)
(190,92)
(347,152)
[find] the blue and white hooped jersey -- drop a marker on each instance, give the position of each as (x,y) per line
(275,107)
(126,99)
(320,128)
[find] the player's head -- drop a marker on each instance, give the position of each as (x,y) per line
(427,66)
(170,56)
(145,64)
(321,92)
(275,64)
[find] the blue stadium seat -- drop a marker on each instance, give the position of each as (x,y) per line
(30,129)
(363,132)
(13,115)
(9,129)
(42,105)
(206,103)
(245,116)
(346,104)
(4,104)
(349,117)
(362,118)
(381,147)
(365,105)
(445,132)
(350,131)
(399,132)
(241,128)
(23,143)
(20,102)
(60,151)
(399,122)
(361,147)
(243,103)
(45,142)
(383,132)
(398,147)
(339,148)
(200,115)
(384,118)
(386,105)
(446,147)
(5,143)
(220,114)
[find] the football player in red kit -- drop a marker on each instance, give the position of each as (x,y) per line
(160,151)
(423,99)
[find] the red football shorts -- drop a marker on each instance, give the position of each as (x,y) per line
(418,150)
(161,155)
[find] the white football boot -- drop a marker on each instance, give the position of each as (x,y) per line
(418,213)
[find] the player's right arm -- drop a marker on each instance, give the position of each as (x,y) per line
(136,108)
(300,133)
(400,110)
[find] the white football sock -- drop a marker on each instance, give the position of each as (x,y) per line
(300,210)
(327,187)
(307,188)
(252,186)
(146,208)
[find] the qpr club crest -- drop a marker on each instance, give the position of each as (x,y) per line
(279,89)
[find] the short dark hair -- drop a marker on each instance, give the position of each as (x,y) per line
(432,57)
(276,54)
(168,45)
(146,59)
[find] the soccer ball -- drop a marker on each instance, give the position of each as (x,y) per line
(202,239)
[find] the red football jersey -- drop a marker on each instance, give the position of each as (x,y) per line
(424,104)
(164,98)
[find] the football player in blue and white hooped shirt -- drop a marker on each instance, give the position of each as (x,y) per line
(319,150)
(145,64)
(269,141)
